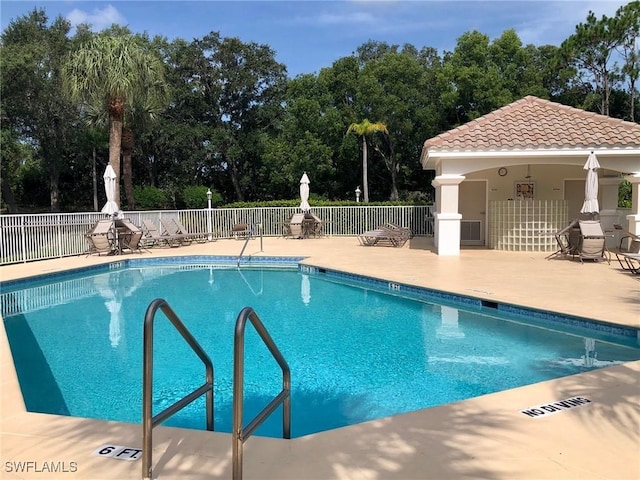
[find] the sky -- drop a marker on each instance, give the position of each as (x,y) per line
(309,35)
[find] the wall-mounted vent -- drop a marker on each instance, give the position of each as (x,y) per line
(471,231)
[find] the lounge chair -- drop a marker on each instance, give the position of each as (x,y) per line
(170,229)
(628,251)
(153,237)
(197,236)
(592,244)
(99,237)
(629,261)
(129,235)
(403,232)
(388,235)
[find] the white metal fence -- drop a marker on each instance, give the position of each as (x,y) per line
(25,238)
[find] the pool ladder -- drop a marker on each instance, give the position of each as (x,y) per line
(240,434)
(248,237)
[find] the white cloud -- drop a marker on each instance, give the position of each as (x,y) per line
(99,19)
(352,18)
(555,21)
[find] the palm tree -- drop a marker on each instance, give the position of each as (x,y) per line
(365,129)
(114,72)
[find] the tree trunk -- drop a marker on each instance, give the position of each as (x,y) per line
(8,196)
(95,182)
(394,176)
(116,114)
(365,180)
(54,178)
(127,166)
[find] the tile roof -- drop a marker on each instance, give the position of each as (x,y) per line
(535,124)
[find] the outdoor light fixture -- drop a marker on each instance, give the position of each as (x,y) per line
(209,194)
(358,192)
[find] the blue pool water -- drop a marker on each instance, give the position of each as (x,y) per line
(357,351)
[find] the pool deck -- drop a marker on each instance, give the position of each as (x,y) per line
(486,437)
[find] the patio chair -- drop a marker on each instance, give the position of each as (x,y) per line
(293,227)
(592,244)
(153,237)
(240,230)
(200,237)
(170,229)
(99,237)
(129,236)
(628,251)
(568,239)
(312,225)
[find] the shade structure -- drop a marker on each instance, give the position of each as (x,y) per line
(590,204)
(304,193)
(111,207)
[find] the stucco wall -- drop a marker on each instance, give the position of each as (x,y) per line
(548,179)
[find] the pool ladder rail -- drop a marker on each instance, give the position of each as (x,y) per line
(240,434)
(250,234)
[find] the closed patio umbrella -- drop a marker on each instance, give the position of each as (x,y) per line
(590,204)
(111,207)
(304,193)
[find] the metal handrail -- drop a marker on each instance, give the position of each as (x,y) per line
(240,434)
(249,235)
(148,419)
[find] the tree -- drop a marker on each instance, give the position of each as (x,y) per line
(590,49)
(627,23)
(31,56)
(366,129)
(114,72)
(398,89)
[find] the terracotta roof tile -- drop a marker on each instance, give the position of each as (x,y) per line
(535,124)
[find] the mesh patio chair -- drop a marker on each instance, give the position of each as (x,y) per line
(568,240)
(240,230)
(592,244)
(294,226)
(129,236)
(628,251)
(99,237)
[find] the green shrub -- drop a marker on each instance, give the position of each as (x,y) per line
(196,197)
(320,203)
(624,194)
(150,198)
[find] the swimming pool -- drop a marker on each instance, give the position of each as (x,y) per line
(358,348)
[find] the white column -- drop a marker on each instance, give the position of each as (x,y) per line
(634,218)
(609,206)
(447,219)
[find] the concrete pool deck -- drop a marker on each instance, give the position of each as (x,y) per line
(485,437)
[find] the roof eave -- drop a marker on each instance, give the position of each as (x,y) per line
(430,155)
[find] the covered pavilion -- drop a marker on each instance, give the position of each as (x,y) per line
(510,178)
